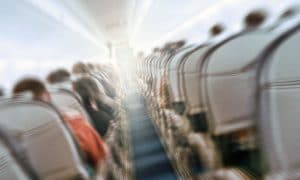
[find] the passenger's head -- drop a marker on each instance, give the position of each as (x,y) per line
(34,86)
(58,76)
(90,66)
(255,18)
(216,29)
(80,68)
(177,45)
(290,12)
(87,88)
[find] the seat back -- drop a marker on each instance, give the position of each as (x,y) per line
(9,167)
(50,147)
(189,76)
(64,98)
(173,74)
(107,84)
(279,102)
(230,80)
(13,147)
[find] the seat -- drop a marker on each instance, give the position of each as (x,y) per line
(63,98)
(172,76)
(109,89)
(189,79)
(230,81)
(278,104)
(12,166)
(50,147)
(230,90)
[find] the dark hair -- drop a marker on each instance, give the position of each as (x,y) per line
(289,12)
(35,86)
(58,76)
(80,68)
(87,88)
(255,18)
(216,29)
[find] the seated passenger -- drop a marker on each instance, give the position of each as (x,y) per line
(100,112)
(59,76)
(80,68)
(89,140)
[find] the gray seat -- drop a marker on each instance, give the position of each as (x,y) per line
(278,104)
(230,81)
(190,74)
(50,147)
(173,75)
(64,98)
(9,167)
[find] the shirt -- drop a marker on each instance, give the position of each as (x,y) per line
(89,140)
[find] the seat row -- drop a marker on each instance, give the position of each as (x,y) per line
(50,149)
(227,108)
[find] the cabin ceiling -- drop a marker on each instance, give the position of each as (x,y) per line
(137,23)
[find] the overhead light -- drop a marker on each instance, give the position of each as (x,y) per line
(194,20)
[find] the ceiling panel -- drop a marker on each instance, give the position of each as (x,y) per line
(111,16)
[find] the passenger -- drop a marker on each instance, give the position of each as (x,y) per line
(255,19)
(216,30)
(89,140)
(100,113)
(91,67)
(80,68)
(59,76)
(164,94)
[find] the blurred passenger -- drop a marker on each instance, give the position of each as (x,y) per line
(90,66)
(164,94)
(255,19)
(59,76)
(178,44)
(216,30)
(89,140)
(100,112)
(80,68)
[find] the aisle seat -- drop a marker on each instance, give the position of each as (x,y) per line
(65,99)
(50,147)
(278,104)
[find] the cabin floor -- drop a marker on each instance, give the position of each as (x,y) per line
(150,160)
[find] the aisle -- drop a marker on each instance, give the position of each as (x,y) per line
(149,158)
